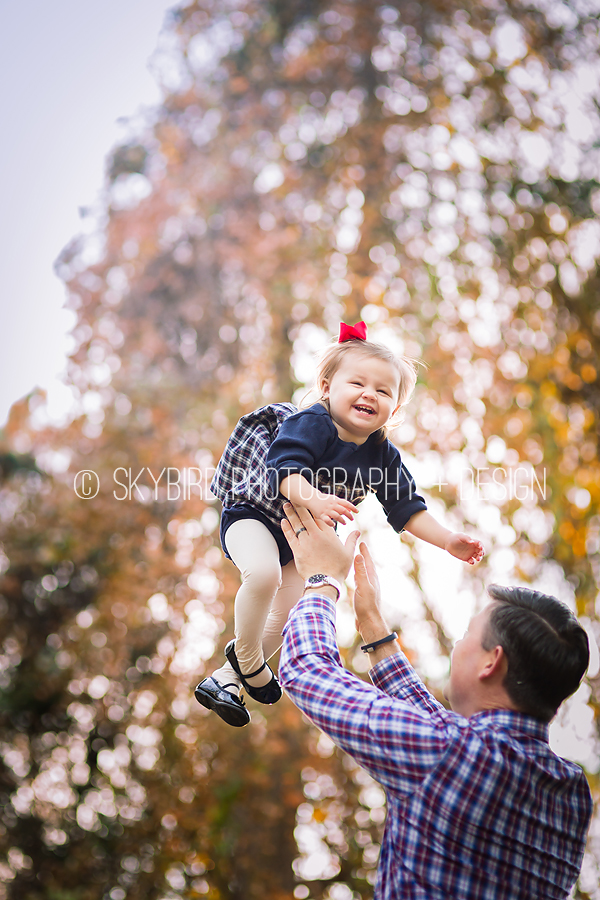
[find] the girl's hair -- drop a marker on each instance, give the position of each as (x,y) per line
(332,357)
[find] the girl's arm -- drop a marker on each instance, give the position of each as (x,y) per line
(460,545)
(302,440)
(328,507)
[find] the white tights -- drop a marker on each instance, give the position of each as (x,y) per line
(263,602)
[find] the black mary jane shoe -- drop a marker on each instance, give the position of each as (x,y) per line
(267,693)
(215,697)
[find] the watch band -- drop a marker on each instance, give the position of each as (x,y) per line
(368,648)
(315,581)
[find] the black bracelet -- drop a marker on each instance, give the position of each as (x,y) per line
(367,648)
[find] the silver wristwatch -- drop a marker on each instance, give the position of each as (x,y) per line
(315,581)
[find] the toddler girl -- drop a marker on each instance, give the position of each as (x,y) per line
(324,458)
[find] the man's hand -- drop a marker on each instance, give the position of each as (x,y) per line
(316,547)
(330,509)
(464,547)
(367,598)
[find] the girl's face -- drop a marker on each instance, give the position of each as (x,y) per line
(363,395)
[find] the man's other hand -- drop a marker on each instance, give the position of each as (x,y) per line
(367,598)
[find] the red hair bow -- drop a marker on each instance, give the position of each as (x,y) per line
(356,332)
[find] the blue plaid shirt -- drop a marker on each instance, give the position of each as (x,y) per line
(241,475)
(478,808)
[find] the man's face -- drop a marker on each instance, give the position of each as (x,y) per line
(467,661)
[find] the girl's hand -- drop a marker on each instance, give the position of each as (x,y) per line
(464,547)
(330,509)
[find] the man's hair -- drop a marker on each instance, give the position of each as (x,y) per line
(546,648)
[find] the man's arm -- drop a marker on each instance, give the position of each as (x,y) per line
(395,741)
(390,670)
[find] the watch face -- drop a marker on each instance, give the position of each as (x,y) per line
(316,579)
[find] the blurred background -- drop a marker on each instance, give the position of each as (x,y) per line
(430,168)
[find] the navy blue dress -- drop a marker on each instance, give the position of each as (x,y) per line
(308,443)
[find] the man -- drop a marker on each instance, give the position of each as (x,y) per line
(479,807)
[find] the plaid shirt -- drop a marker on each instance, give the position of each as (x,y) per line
(478,808)
(241,475)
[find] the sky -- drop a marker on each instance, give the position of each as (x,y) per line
(70,70)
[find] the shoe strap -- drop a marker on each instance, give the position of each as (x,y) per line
(233,684)
(234,662)
(258,671)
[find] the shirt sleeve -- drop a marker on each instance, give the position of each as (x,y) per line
(300,443)
(396,739)
(396,677)
(397,491)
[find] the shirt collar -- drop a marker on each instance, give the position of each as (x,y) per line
(514,722)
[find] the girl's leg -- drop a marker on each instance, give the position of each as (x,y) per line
(254,551)
(292,587)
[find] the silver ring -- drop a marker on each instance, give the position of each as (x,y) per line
(300,530)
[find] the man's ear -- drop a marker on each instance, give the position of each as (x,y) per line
(495,665)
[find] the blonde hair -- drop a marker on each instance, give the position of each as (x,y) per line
(332,357)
